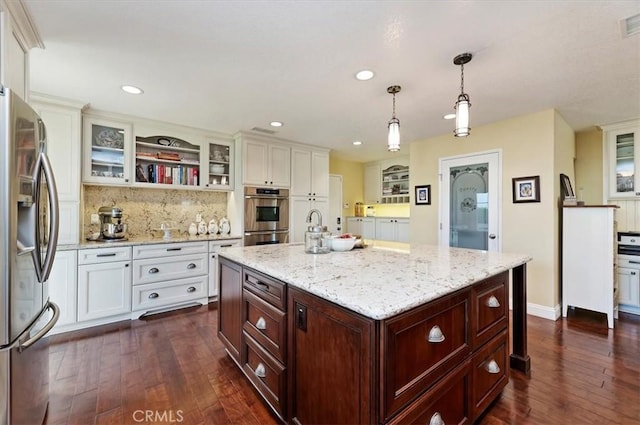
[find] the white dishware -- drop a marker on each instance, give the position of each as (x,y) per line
(193,229)
(342,244)
(202,228)
(225,226)
(213,227)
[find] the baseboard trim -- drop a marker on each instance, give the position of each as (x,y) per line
(543,311)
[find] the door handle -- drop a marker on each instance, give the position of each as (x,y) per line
(492,235)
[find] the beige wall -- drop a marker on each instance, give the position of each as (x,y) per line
(589,177)
(527,145)
(352,181)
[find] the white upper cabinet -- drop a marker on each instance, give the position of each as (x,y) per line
(107,151)
(372,183)
(265,163)
(623,163)
(309,173)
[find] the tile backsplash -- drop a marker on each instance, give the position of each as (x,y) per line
(144,209)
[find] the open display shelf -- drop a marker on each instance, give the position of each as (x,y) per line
(162,160)
(395,184)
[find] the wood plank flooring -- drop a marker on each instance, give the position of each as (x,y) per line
(173,369)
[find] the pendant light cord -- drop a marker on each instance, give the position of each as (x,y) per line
(462,78)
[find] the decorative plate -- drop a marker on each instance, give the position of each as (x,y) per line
(110,138)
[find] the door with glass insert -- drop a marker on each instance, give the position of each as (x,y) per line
(470,194)
(107,146)
(623,154)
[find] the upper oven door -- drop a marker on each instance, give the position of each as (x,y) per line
(264,212)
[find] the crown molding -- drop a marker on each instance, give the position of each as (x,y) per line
(23,23)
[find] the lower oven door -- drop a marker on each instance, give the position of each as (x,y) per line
(266,238)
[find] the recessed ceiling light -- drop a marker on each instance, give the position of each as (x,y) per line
(449,116)
(357,143)
(132,89)
(365,75)
(276,124)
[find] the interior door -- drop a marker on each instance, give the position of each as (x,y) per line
(335,223)
(470,192)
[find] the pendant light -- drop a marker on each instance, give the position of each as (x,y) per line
(463,104)
(393,140)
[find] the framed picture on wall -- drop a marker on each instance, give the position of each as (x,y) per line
(526,189)
(423,195)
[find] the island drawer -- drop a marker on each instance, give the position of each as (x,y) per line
(447,400)
(169,249)
(421,345)
(268,289)
(266,324)
(266,373)
(490,372)
(489,308)
(159,269)
(155,295)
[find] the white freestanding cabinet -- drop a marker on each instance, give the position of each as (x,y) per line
(588,260)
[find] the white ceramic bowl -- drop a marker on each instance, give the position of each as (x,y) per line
(342,244)
(217,168)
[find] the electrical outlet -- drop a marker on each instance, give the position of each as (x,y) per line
(346,205)
(95,219)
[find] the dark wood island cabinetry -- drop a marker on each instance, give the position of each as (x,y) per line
(314,361)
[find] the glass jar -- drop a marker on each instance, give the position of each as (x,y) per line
(316,240)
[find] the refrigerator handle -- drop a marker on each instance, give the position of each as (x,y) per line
(55,217)
(42,332)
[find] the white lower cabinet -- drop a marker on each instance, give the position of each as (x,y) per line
(363,226)
(104,285)
(169,276)
(629,286)
(63,286)
(214,248)
(392,229)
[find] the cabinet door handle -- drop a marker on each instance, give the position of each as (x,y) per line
(191,266)
(191,289)
(261,323)
(112,254)
(261,371)
(436,419)
(633,273)
(153,295)
(174,249)
(493,302)
(153,270)
(492,367)
(301,317)
(226,246)
(435,334)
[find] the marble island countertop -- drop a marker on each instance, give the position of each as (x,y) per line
(145,240)
(376,282)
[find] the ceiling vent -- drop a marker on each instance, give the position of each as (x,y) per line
(263,130)
(631,26)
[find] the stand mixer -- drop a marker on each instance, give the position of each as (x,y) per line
(111,226)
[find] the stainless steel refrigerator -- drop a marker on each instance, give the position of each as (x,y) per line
(28,238)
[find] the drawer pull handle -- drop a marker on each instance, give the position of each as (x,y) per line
(225,246)
(493,302)
(261,324)
(174,249)
(191,289)
(436,419)
(191,266)
(153,270)
(492,367)
(435,334)
(112,254)
(261,371)
(153,295)
(262,286)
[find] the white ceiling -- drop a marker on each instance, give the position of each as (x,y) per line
(234,65)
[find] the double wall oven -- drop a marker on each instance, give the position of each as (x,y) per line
(266,216)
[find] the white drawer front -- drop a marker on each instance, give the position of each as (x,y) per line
(160,269)
(169,249)
(146,297)
(104,255)
(214,246)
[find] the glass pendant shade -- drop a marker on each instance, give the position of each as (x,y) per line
(462,116)
(393,141)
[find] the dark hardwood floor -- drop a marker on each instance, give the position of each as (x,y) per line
(173,369)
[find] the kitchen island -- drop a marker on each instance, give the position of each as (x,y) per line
(373,335)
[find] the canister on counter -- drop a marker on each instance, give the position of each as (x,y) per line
(359,209)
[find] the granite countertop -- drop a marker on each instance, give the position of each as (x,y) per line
(376,282)
(145,240)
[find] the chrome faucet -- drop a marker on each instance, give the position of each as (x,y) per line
(319,216)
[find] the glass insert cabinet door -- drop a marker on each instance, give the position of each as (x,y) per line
(219,167)
(624,157)
(106,154)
